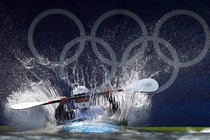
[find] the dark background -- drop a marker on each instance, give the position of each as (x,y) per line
(185,102)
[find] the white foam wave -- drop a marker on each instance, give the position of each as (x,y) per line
(34,118)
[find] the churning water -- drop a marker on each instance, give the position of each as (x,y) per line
(39,123)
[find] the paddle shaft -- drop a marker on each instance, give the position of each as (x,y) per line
(83,97)
(79,98)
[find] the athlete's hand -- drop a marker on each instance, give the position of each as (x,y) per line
(63,99)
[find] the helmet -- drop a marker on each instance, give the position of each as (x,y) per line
(79,91)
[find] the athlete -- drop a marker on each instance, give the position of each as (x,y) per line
(82,104)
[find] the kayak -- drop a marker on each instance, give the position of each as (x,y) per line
(81,125)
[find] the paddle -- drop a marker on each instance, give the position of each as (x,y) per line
(144,85)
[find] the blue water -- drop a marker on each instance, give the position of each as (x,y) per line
(91,127)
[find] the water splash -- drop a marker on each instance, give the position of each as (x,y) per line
(134,108)
(34,118)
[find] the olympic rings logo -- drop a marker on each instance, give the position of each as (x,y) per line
(114,63)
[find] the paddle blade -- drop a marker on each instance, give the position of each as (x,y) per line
(26,105)
(143,85)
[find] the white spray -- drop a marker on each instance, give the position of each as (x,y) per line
(134,108)
(33,118)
